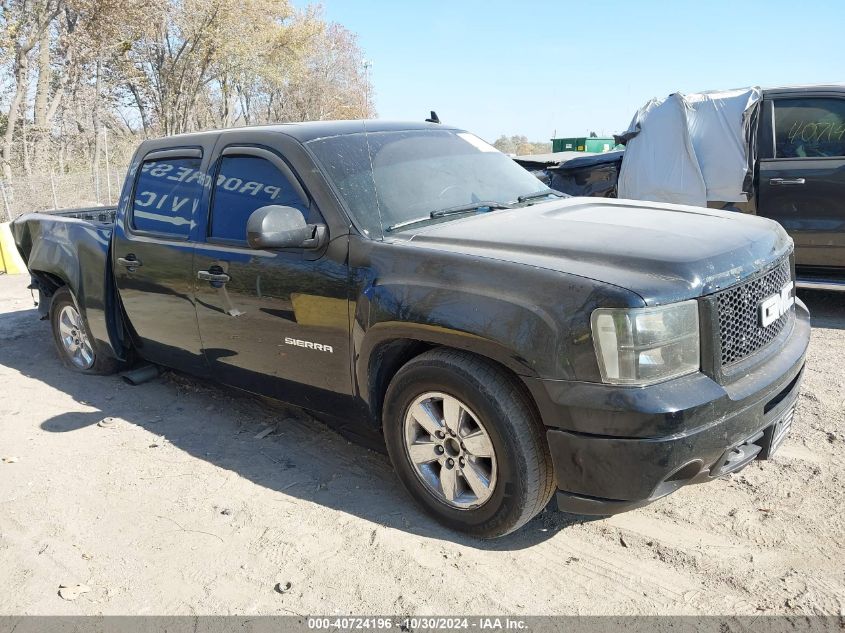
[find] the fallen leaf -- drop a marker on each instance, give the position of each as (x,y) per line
(72,592)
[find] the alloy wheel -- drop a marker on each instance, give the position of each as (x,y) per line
(450,450)
(75,339)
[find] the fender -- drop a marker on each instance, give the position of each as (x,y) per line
(499,328)
(435,335)
(389,345)
(531,320)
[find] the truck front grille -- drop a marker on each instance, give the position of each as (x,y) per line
(739,314)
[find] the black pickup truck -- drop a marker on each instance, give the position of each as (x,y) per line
(511,343)
(797,176)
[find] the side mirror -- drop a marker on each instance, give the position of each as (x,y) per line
(277,226)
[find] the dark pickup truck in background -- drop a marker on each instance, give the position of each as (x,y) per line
(798,177)
(511,344)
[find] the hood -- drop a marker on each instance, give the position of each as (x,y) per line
(663,252)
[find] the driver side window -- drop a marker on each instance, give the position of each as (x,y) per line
(244,184)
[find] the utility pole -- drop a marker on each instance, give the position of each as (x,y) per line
(108,172)
(53,189)
(367,65)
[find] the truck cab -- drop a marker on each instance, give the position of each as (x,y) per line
(801,177)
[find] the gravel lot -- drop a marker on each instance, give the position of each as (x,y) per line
(181,507)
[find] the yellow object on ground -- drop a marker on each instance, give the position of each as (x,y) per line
(10,258)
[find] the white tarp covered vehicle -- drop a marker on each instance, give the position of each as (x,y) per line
(691,149)
(778,153)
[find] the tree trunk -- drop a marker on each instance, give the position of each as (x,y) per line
(40,128)
(27,163)
(21,76)
(95,163)
(142,111)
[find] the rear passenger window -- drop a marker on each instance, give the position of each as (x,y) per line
(166,195)
(244,184)
(809,128)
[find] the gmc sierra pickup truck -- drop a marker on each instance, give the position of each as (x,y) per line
(512,344)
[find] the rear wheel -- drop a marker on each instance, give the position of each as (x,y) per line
(467,444)
(73,338)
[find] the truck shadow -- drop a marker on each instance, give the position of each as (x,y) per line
(827,309)
(325,462)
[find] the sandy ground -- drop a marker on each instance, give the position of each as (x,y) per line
(179,508)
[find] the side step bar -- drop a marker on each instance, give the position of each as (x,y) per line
(810,284)
(141,374)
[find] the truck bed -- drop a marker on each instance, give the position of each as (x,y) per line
(100,215)
(72,246)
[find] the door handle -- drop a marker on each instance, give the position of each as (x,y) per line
(786,181)
(129,261)
(205,275)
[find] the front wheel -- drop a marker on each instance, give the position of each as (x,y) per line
(73,338)
(466,443)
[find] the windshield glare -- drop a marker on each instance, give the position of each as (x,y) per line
(387,178)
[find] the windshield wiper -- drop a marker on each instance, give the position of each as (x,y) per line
(442,213)
(472,206)
(540,194)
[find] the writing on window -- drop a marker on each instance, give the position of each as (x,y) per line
(167,194)
(809,127)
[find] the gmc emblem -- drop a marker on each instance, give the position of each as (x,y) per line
(774,307)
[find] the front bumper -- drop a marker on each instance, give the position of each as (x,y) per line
(618,448)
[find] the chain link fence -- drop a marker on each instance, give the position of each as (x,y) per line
(41,191)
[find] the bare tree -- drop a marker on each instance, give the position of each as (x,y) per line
(71,68)
(520,145)
(24,23)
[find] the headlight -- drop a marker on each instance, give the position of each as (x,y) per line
(641,346)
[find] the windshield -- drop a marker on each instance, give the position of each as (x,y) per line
(389,180)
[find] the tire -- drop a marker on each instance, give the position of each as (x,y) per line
(519,475)
(66,322)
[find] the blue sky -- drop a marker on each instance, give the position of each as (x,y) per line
(538,67)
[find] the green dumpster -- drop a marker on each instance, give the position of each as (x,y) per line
(583,144)
(599,145)
(573,144)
